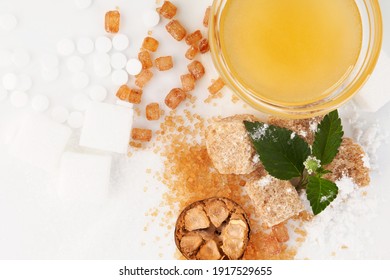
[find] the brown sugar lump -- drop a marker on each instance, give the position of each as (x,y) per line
(305,128)
(193,38)
(150,44)
(125,93)
(143,78)
(196,69)
(206,17)
(152,111)
(192,52)
(230,147)
(274,200)
(167,10)
(145,59)
(176,30)
(212,229)
(187,82)
(216,86)
(204,46)
(141,134)
(112,21)
(349,162)
(164,63)
(175,97)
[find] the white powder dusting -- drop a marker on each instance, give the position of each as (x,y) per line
(302,133)
(256,159)
(313,125)
(264,181)
(292,136)
(260,132)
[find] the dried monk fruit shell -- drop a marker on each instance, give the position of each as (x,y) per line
(164,63)
(216,86)
(112,21)
(152,111)
(206,17)
(187,82)
(146,59)
(204,46)
(143,78)
(175,97)
(150,44)
(212,229)
(194,37)
(141,134)
(192,52)
(167,10)
(196,69)
(176,30)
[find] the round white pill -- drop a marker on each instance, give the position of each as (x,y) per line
(10,81)
(21,58)
(151,18)
(134,66)
(119,77)
(40,103)
(97,93)
(3,94)
(80,102)
(103,71)
(76,120)
(101,59)
(60,114)
(50,75)
(85,45)
(120,42)
(25,82)
(83,4)
(75,64)
(18,99)
(118,61)
(80,80)
(8,22)
(65,47)
(103,44)
(50,61)
(5,58)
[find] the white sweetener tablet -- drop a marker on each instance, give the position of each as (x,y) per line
(50,61)
(8,22)
(97,93)
(85,45)
(65,47)
(75,64)
(10,81)
(134,66)
(76,120)
(118,61)
(103,44)
(60,114)
(50,75)
(40,103)
(80,80)
(80,102)
(119,77)
(120,42)
(19,99)
(25,82)
(5,58)
(83,4)
(151,18)
(21,58)
(3,94)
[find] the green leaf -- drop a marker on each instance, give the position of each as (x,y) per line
(281,151)
(320,192)
(328,138)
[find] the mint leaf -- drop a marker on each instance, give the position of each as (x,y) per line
(281,151)
(320,192)
(328,138)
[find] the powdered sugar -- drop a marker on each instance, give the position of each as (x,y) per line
(260,132)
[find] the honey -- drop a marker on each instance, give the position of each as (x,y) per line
(291,52)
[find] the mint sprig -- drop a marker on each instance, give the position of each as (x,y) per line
(286,156)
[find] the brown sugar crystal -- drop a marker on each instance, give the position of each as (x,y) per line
(204,46)
(164,63)
(176,30)
(150,44)
(193,38)
(125,93)
(112,21)
(216,86)
(175,97)
(153,111)
(187,82)
(196,69)
(146,59)
(143,78)
(191,52)
(141,134)
(206,17)
(167,10)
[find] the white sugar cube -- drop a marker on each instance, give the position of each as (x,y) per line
(376,92)
(107,127)
(84,177)
(40,142)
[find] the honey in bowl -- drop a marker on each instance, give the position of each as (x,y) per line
(291,52)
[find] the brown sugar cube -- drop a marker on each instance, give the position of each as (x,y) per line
(193,38)
(112,21)
(176,30)
(150,44)
(349,162)
(206,17)
(167,10)
(229,146)
(274,200)
(146,59)
(123,93)
(153,111)
(196,69)
(175,97)
(192,52)
(143,78)
(140,134)
(164,63)
(204,46)
(130,95)
(187,82)
(216,86)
